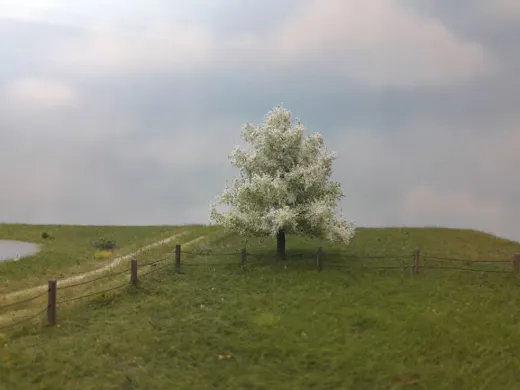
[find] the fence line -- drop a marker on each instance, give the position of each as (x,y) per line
(93,280)
(27,319)
(416,264)
(156,262)
(366,257)
(133,278)
(91,294)
(468,269)
(320,255)
(154,269)
(210,253)
(467,261)
(164,258)
(23,301)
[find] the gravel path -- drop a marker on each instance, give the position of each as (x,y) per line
(114,263)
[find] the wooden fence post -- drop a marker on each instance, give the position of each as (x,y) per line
(516,263)
(133,272)
(51,308)
(178,258)
(319,259)
(416,259)
(244,258)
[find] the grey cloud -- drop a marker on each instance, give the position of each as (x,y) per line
(221,16)
(24,45)
(490,22)
(424,176)
(346,39)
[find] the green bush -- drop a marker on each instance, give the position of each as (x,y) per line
(104,244)
(46,236)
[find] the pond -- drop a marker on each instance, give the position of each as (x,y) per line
(12,250)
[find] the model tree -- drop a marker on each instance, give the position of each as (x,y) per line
(284,186)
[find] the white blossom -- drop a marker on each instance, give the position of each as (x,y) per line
(284,184)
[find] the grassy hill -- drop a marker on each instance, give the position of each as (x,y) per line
(70,250)
(286,326)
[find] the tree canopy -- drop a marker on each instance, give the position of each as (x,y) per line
(284,184)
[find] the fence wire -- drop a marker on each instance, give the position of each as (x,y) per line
(24,300)
(363,257)
(401,267)
(464,260)
(211,253)
(24,320)
(209,264)
(92,294)
(114,274)
(396,267)
(465,269)
(154,269)
(156,261)
(346,255)
(94,280)
(325,253)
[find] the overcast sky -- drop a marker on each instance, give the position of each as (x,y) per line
(125,111)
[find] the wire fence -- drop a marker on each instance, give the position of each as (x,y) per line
(209,253)
(53,303)
(467,269)
(345,255)
(110,275)
(18,303)
(336,259)
(24,321)
(456,260)
(320,259)
(154,269)
(152,264)
(92,294)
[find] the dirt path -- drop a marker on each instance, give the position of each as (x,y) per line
(114,263)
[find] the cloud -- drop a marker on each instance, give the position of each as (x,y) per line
(431,174)
(40,93)
(500,10)
(381,46)
(91,166)
(160,48)
(463,208)
(188,147)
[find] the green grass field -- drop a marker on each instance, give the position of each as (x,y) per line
(71,250)
(17,297)
(285,325)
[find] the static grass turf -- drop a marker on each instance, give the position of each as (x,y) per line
(70,251)
(26,303)
(286,326)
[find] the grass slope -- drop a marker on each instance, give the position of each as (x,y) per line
(23,303)
(286,326)
(71,250)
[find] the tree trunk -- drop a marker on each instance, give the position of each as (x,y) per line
(280,245)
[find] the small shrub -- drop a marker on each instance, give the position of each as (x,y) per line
(102,255)
(45,235)
(105,245)
(104,299)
